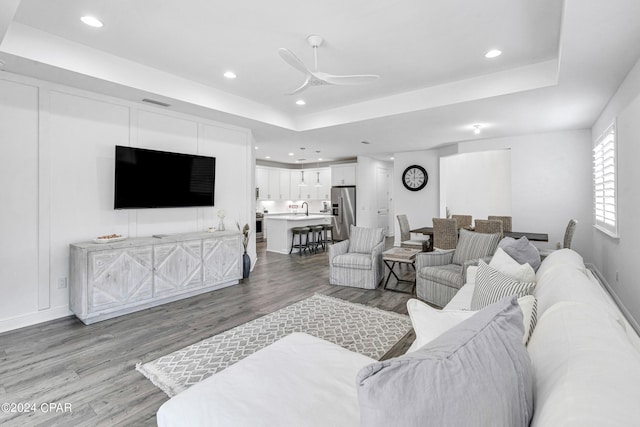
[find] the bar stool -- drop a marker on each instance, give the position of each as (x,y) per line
(299,231)
(316,237)
(325,239)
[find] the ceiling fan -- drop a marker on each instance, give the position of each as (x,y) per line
(318,78)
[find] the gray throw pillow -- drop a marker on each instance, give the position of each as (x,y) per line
(521,250)
(476,374)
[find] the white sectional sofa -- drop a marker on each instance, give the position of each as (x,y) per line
(584,355)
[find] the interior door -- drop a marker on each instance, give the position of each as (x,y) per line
(382,198)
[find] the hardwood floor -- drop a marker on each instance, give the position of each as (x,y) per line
(92,368)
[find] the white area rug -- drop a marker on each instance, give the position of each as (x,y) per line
(356,327)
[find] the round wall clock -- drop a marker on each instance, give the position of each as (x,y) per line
(415,178)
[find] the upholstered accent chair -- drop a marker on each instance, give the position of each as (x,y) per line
(440,274)
(405,236)
(357,262)
(568,237)
(445,233)
(464,221)
(506,222)
(488,226)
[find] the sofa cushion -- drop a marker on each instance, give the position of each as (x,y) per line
(492,286)
(362,240)
(586,370)
(564,282)
(560,257)
(476,374)
(353,261)
(449,275)
(521,250)
(429,323)
(505,264)
(473,245)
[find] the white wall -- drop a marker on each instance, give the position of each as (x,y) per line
(477,184)
(419,206)
(57,154)
(619,257)
(550,183)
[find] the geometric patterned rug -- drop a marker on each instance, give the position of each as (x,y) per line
(356,327)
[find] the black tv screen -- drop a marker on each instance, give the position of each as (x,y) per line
(159,179)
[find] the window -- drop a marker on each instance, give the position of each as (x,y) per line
(604,182)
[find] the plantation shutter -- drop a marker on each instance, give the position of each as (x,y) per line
(604,182)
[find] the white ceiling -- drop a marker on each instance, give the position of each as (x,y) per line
(562,61)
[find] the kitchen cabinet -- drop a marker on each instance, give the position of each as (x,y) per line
(343,174)
(262,183)
(311,191)
(273,183)
(284,184)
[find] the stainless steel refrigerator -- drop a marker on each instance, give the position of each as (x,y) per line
(343,208)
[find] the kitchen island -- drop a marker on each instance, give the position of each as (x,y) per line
(279,226)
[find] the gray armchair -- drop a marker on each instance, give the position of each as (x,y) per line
(357,262)
(439,275)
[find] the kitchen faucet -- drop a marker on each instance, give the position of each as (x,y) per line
(306,212)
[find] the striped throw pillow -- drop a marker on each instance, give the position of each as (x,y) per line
(492,286)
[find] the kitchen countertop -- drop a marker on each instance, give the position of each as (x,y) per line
(295,217)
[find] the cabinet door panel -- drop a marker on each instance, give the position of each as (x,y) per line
(177,267)
(221,261)
(119,277)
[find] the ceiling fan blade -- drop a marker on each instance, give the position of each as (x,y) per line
(291,59)
(361,79)
(303,87)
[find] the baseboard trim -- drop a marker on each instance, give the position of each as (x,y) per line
(30,319)
(627,314)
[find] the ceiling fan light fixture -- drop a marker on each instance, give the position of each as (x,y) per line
(92,21)
(230,75)
(493,53)
(476,129)
(301,102)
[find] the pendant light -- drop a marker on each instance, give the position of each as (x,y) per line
(302,183)
(318,184)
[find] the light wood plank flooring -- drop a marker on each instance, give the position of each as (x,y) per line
(92,368)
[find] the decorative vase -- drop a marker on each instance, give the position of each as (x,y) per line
(221,225)
(246,265)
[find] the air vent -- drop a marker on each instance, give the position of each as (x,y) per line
(153,101)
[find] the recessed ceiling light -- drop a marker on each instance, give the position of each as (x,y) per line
(230,75)
(267,157)
(291,154)
(300,102)
(256,147)
(319,159)
(392,158)
(476,129)
(92,21)
(493,53)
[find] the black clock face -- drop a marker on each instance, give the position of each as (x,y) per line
(415,178)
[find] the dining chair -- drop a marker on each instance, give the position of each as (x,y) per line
(445,233)
(464,221)
(568,237)
(405,236)
(489,226)
(506,222)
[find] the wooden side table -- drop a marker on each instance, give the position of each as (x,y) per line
(395,256)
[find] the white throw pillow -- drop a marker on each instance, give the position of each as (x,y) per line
(429,323)
(506,265)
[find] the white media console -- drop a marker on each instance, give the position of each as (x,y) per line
(112,279)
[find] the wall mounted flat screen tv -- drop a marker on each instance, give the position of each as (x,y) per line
(160,179)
